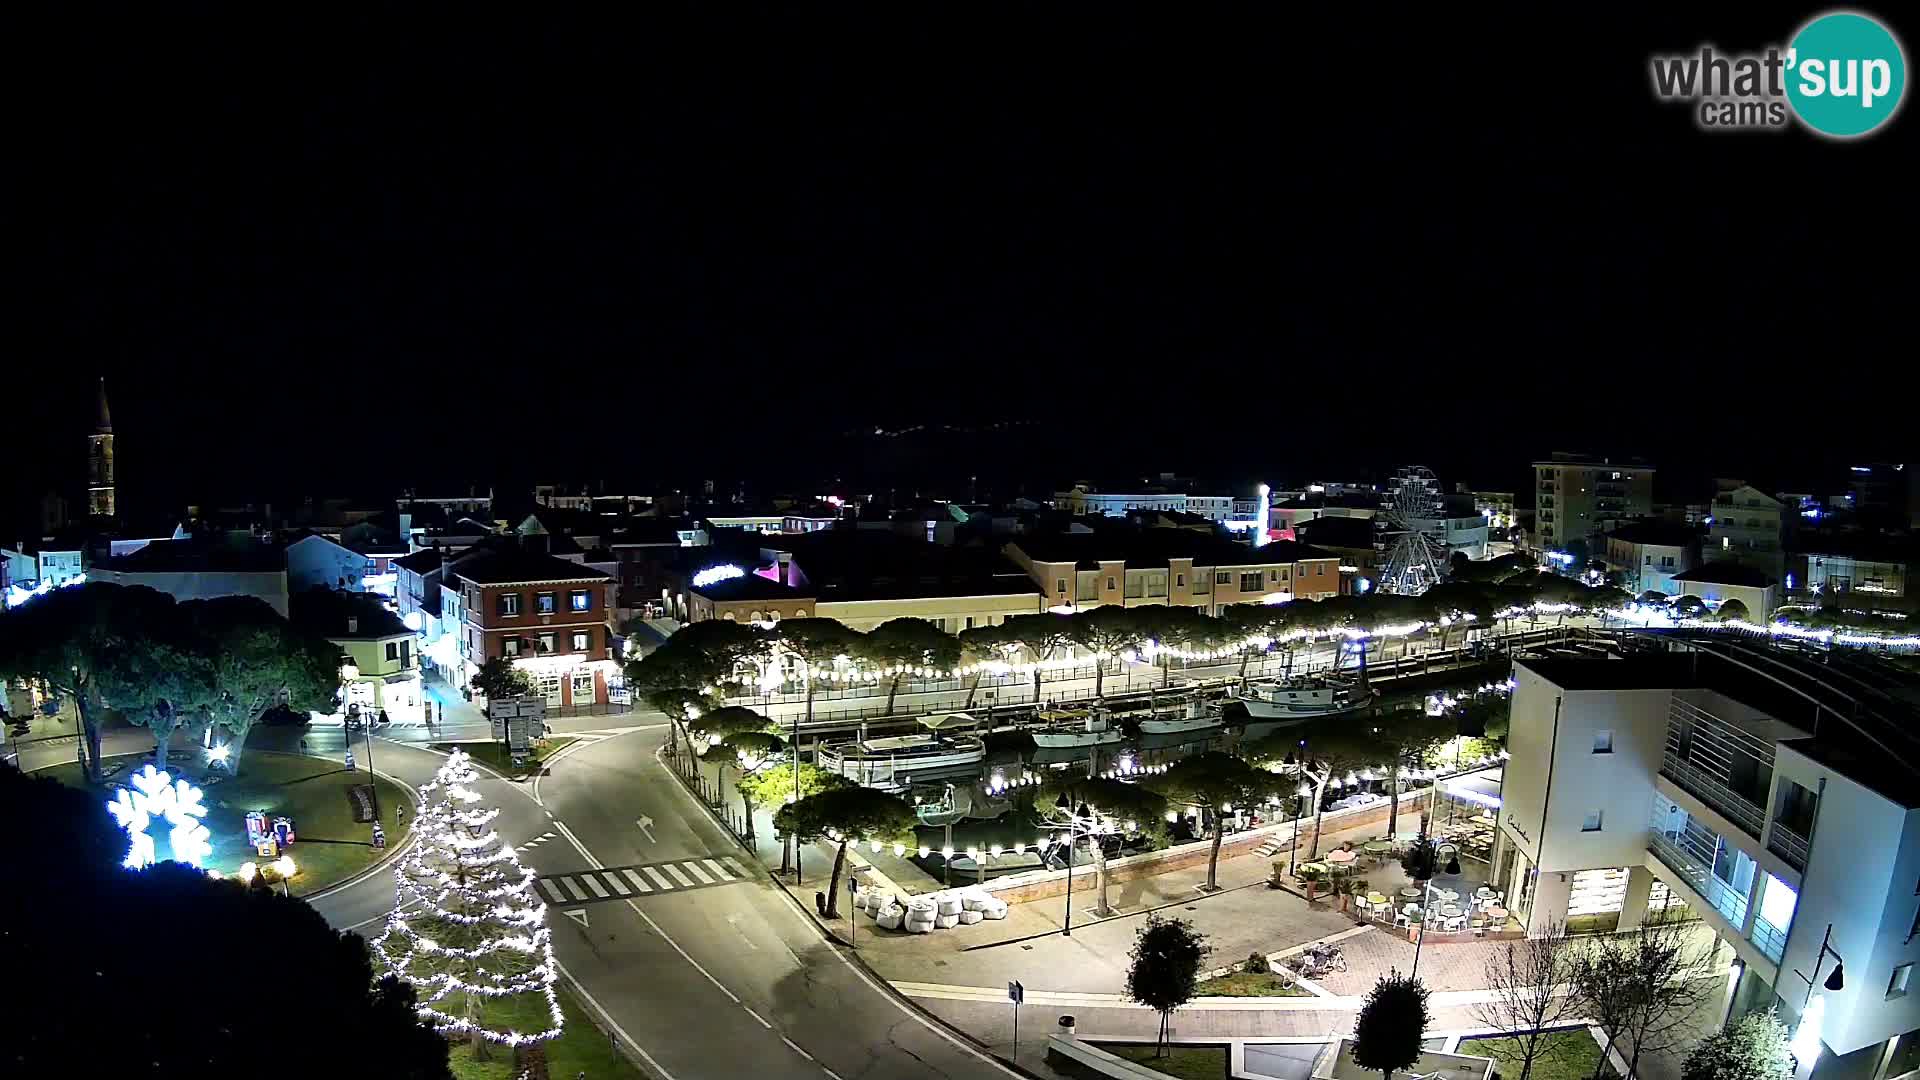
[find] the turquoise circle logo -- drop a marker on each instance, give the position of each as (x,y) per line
(1845,74)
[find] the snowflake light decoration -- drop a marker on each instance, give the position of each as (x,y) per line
(155,794)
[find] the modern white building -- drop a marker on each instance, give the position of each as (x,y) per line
(1772,798)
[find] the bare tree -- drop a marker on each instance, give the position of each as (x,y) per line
(1532,982)
(1642,987)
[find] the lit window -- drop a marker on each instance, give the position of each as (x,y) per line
(546,643)
(510,604)
(580,638)
(581,600)
(510,647)
(1592,822)
(545,603)
(1603,742)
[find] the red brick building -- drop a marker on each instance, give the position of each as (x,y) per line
(552,617)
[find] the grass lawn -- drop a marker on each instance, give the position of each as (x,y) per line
(1248,984)
(1186,1062)
(329,844)
(580,1050)
(1565,1055)
(494,755)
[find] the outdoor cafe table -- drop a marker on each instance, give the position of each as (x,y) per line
(1497,914)
(1451,910)
(1342,857)
(1377,847)
(1410,892)
(1376,899)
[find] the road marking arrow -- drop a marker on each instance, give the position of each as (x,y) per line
(577,915)
(646,826)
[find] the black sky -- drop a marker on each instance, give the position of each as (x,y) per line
(349,252)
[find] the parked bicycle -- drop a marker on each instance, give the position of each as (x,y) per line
(1318,960)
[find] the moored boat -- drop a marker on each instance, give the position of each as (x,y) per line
(1302,699)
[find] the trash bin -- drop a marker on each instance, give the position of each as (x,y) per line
(1066,1024)
(820,903)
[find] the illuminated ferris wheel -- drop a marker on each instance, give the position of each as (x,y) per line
(1412,560)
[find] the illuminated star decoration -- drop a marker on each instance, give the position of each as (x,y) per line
(158,795)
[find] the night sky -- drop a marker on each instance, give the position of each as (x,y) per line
(353,254)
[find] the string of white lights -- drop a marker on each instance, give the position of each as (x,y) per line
(463,880)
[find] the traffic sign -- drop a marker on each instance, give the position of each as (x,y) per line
(1016,993)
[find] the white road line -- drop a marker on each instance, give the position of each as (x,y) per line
(757,1016)
(637,883)
(593,882)
(796,1048)
(619,886)
(677,875)
(717,869)
(697,872)
(553,894)
(830,1072)
(648,919)
(573,888)
(658,878)
(736,867)
(578,988)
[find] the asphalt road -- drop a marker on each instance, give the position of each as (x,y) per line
(722,978)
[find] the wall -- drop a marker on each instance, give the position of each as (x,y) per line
(864,615)
(1863,876)
(270,586)
(317,561)
(1619,785)
(482,610)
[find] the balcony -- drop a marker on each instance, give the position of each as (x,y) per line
(1719,764)
(1769,939)
(1699,876)
(1789,845)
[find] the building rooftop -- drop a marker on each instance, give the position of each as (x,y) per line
(1145,548)
(750,587)
(1340,532)
(327,612)
(198,556)
(1726,573)
(517,565)
(1864,713)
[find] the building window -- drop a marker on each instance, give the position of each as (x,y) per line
(1897,986)
(1060,586)
(1320,570)
(1603,742)
(1222,578)
(969,622)
(544,603)
(580,640)
(1592,822)
(547,685)
(583,687)
(581,600)
(393,650)
(546,642)
(509,604)
(406,654)
(510,647)
(1250,582)
(1273,575)
(1179,581)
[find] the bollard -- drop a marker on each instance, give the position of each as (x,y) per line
(1066,1024)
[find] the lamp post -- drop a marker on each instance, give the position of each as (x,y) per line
(1806,1041)
(350,673)
(286,869)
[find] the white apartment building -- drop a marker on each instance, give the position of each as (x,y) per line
(1770,797)
(1083,500)
(1577,498)
(1746,528)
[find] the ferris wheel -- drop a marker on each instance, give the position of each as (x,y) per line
(1412,560)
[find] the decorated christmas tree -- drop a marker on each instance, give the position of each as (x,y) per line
(467,929)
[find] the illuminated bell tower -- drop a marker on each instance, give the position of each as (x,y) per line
(100,501)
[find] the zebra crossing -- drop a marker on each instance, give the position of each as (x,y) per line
(648,879)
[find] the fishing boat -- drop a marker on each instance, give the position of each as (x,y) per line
(1300,699)
(894,761)
(1197,716)
(1066,729)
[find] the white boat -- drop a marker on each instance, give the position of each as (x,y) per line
(1065,729)
(1301,699)
(1197,717)
(894,761)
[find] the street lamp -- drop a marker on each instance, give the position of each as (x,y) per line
(286,869)
(350,673)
